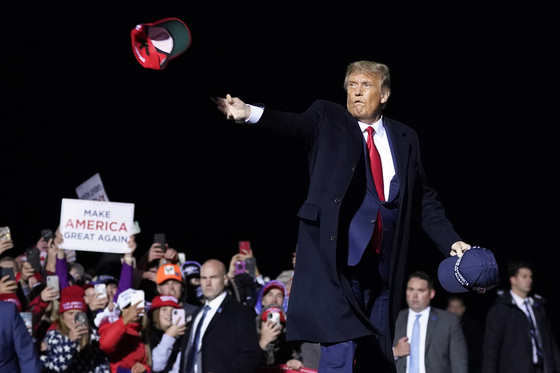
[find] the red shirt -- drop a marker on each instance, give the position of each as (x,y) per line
(123,344)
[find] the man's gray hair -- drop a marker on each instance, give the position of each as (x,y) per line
(370,67)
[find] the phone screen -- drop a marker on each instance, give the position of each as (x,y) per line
(53,281)
(27,320)
(34,258)
(178,314)
(80,318)
(138,296)
(5,234)
(239,267)
(160,238)
(101,289)
(244,247)
(250,266)
(274,317)
(182,257)
(10,273)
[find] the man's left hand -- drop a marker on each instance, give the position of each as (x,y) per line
(458,248)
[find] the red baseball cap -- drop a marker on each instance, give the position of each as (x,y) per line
(72,298)
(163,301)
(273,285)
(155,44)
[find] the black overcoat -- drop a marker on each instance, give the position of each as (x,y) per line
(507,344)
(322,307)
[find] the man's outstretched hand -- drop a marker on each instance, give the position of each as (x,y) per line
(233,108)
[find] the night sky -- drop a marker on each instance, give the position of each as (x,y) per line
(478,82)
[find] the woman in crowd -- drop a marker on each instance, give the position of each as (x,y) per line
(164,336)
(71,344)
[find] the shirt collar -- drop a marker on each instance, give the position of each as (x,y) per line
(377,126)
(215,303)
(424,312)
(520,301)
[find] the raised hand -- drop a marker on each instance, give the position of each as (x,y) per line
(77,332)
(176,330)
(269,332)
(233,108)
(98,302)
(7,286)
(131,313)
(49,294)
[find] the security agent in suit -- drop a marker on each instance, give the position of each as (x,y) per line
(228,341)
(17,353)
(441,346)
(350,269)
(510,343)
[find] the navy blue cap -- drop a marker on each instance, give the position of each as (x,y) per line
(476,270)
(106,279)
(190,269)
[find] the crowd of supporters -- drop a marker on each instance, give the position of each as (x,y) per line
(83,319)
(119,315)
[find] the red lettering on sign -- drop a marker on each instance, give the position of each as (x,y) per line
(96,225)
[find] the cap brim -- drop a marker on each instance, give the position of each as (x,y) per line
(179,32)
(446,275)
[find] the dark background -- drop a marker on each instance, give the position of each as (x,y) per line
(478,82)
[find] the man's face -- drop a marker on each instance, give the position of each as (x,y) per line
(456,306)
(523,282)
(170,287)
(364,97)
(418,295)
(273,296)
(213,280)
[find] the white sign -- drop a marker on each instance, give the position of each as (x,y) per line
(92,189)
(96,226)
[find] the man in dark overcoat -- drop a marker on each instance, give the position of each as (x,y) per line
(356,221)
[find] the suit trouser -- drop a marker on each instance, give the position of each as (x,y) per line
(369,353)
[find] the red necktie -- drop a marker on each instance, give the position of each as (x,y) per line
(377,173)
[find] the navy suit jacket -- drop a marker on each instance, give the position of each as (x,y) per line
(17,352)
(322,306)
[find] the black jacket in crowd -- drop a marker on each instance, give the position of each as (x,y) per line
(507,340)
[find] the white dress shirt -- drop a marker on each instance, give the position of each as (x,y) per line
(521,304)
(423,331)
(214,305)
(381,141)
